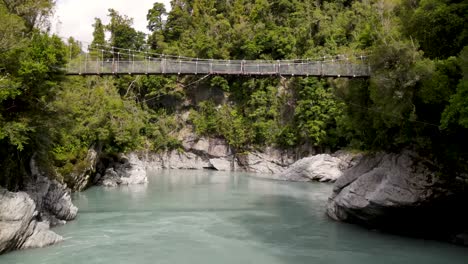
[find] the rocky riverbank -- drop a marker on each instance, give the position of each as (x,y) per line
(26,217)
(401,193)
(397,192)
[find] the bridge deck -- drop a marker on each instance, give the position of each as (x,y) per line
(219,67)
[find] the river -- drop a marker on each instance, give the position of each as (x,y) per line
(215,217)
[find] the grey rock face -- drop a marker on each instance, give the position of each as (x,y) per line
(271,161)
(183,160)
(25,217)
(19,227)
(399,192)
(215,153)
(41,236)
(379,181)
(128,170)
(220,164)
(82,176)
(206,147)
(111,178)
(53,199)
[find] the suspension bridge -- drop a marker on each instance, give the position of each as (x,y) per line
(116,61)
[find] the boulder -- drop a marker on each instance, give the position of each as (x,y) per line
(220,164)
(41,236)
(19,223)
(398,192)
(322,167)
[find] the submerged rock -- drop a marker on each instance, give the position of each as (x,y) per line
(398,192)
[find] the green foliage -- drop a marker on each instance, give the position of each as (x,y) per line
(33,13)
(416,97)
(233,127)
(11,28)
(456,113)
(161,131)
(224,122)
(95,112)
(205,119)
(99,37)
(316,112)
(220,82)
(31,65)
(122,34)
(155,17)
(440,26)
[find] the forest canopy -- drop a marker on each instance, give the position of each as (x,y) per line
(416,97)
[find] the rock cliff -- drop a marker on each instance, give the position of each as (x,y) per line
(401,193)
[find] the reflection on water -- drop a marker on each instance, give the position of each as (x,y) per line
(220,217)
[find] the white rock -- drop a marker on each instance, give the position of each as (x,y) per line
(184,160)
(263,163)
(221,164)
(322,167)
(42,236)
(18,225)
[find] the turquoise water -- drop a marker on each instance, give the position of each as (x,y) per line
(214,217)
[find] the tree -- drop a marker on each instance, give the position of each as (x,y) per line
(316,113)
(99,37)
(34,13)
(440,26)
(122,34)
(74,47)
(155,17)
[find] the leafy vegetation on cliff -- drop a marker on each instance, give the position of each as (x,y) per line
(416,98)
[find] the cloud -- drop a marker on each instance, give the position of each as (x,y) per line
(75,17)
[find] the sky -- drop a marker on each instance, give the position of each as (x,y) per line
(75,17)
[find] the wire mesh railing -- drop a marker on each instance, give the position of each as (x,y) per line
(161,66)
(104,60)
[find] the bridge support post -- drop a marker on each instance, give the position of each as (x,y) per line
(321,68)
(118,62)
(80,64)
(86,63)
(180,65)
(278,70)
